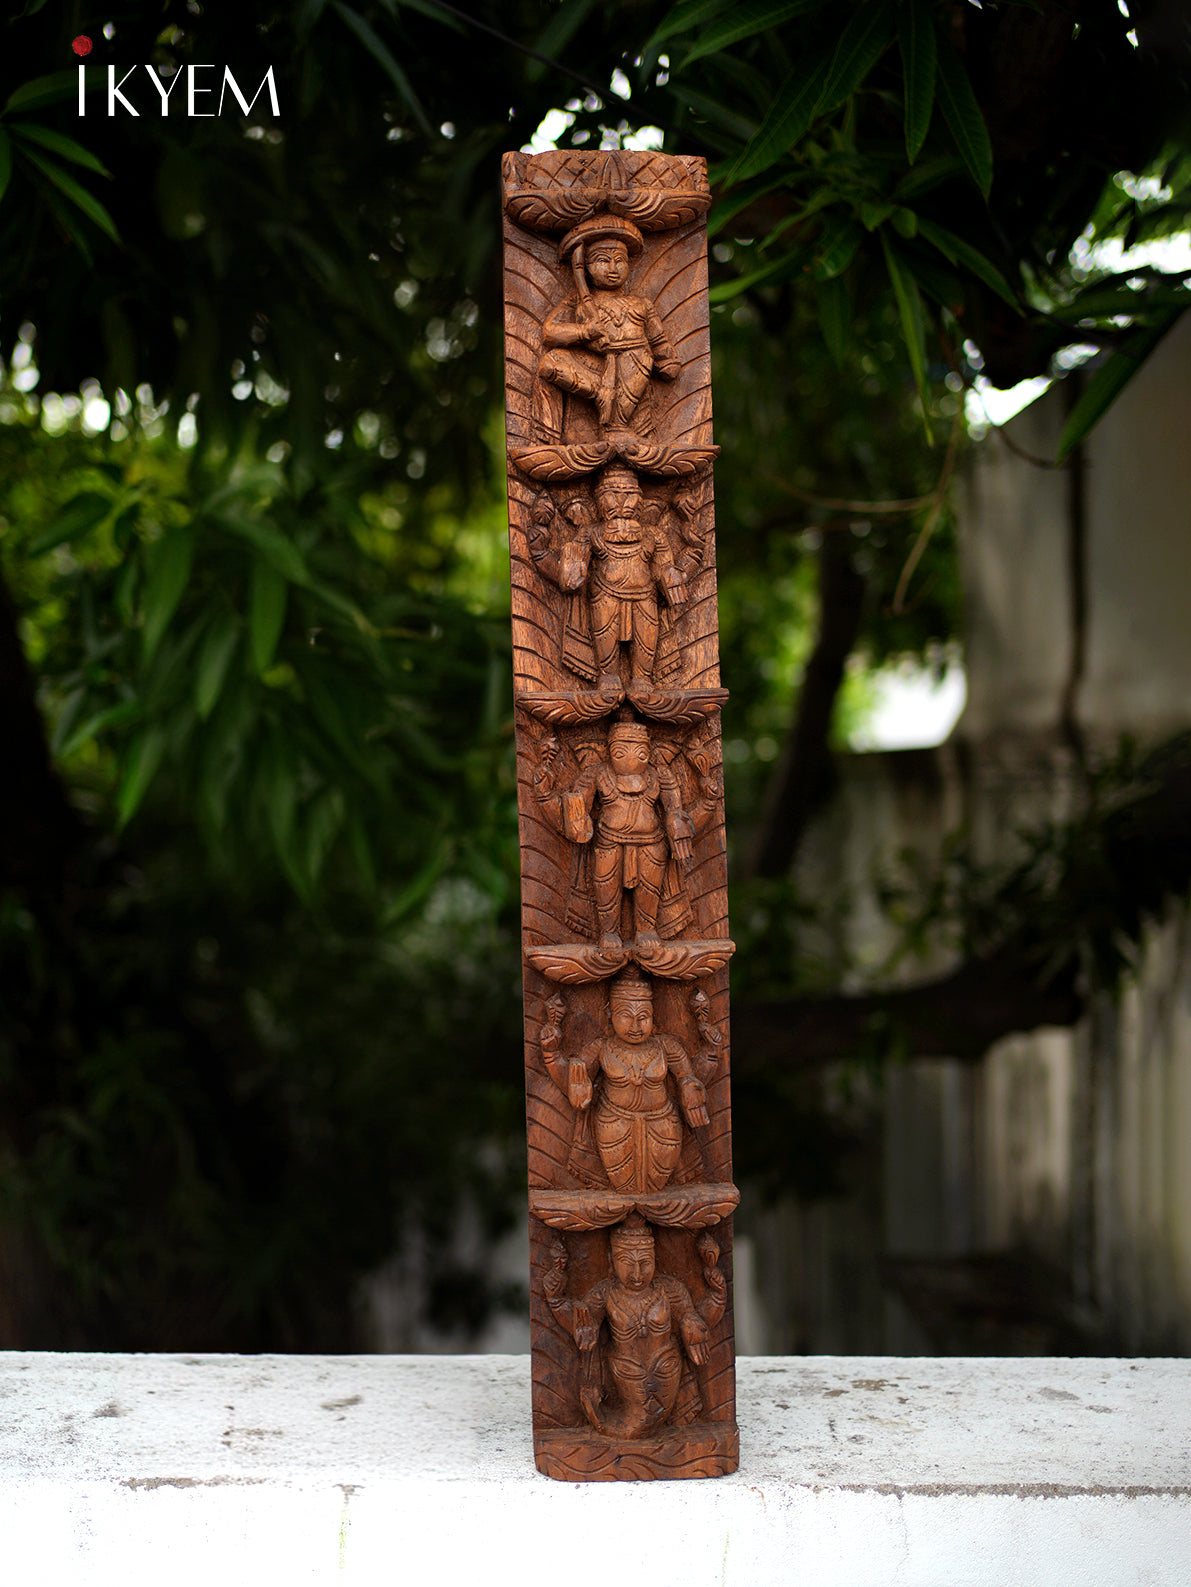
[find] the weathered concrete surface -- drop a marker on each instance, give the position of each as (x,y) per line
(855,1472)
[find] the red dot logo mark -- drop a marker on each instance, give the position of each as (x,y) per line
(81,45)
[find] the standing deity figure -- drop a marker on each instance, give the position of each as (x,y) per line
(630,574)
(621,1088)
(605,344)
(640,834)
(634,1384)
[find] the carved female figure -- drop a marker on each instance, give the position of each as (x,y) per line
(606,343)
(637,1128)
(651,1323)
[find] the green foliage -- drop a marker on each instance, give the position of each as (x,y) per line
(262,1029)
(810,108)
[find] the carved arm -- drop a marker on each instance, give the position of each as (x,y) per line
(691,1093)
(665,364)
(692,1329)
(715,1302)
(679,827)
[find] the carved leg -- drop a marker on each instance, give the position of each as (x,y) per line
(607,871)
(573,372)
(605,637)
(647,896)
(645,641)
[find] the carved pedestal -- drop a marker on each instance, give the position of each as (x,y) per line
(622,824)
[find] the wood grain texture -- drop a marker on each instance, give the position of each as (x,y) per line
(620,789)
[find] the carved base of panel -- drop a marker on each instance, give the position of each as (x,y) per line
(676,1207)
(701,1449)
(680,707)
(580,963)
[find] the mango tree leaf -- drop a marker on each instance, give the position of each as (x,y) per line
(1106,385)
(786,120)
(836,246)
(962,253)
(78,517)
(277,780)
(215,658)
(381,54)
(743,21)
(168,572)
(835,314)
(909,308)
(682,19)
(111,716)
(963,115)
(861,45)
(777,269)
(916,39)
(75,192)
(728,209)
(266,612)
(52,90)
(140,767)
(719,114)
(923,178)
(1103,301)
(557,33)
(942,284)
(324,818)
(281,553)
(59,143)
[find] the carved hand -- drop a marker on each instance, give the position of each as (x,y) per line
(579,1085)
(717,1284)
(673,582)
(694,1102)
(695,1336)
(554,1283)
(586,1333)
(682,850)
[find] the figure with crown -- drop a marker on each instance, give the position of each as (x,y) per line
(606,343)
(638,1381)
(640,835)
(626,1080)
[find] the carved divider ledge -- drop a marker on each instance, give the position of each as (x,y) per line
(624,909)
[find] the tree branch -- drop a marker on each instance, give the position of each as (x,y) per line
(805,762)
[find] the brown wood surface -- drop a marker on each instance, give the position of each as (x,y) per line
(624,908)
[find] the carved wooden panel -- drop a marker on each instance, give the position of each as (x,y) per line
(624,910)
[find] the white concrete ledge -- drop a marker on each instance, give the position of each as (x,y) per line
(855,1472)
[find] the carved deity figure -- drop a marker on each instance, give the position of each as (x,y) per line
(639,833)
(622,1087)
(636,1331)
(630,575)
(606,343)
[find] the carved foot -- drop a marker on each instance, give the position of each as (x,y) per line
(610,941)
(648,939)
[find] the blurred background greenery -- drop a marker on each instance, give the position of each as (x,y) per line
(259,984)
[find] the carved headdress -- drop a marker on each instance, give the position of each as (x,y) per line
(630,986)
(598,227)
(634,1234)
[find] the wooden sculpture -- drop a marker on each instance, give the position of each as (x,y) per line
(622,820)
